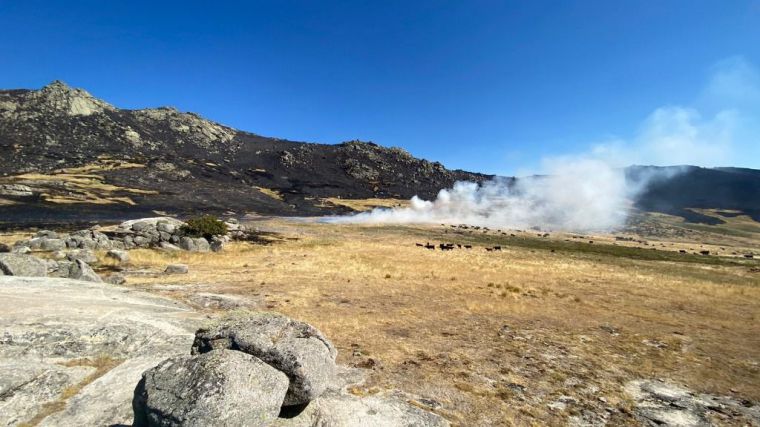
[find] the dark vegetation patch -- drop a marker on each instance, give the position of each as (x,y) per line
(206,226)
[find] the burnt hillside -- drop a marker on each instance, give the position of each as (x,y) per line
(68,155)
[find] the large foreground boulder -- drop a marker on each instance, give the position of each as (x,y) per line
(219,388)
(295,348)
(22,265)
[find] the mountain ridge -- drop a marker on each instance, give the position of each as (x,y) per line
(68,156)
(150,155)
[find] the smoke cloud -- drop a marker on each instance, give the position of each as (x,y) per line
(581,194)
(590,192)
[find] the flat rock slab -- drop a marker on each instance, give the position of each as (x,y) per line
(338,407)
(661,403)
(47,323)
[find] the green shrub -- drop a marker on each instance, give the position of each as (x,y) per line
(204,226)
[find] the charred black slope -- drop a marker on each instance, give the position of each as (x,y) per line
(66,155)
(673,190)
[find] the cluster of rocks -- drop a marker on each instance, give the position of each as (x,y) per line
(262,369)
(72,253)
(72,267)
(161,232)
(167,233)
(240,371)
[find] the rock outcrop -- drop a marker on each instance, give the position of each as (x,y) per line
(81,353)
(118,255)
(140,233)
(21,265)
(293,347)
(219,388)
(659,403)
(61,334)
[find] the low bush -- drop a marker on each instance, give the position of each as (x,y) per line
(204,226)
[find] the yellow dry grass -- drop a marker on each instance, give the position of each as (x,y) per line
(81,184)
(494,337)
(9,238)
(271,193)
(360,205)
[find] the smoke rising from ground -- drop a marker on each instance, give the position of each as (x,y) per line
(581,195)
(590,192)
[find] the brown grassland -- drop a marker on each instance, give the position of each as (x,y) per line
(494,338)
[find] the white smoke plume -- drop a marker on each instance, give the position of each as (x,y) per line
(577,194)
(590,192)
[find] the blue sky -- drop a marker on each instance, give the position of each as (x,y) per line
(478,85)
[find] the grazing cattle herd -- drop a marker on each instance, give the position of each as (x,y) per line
(452,246)
(447,246)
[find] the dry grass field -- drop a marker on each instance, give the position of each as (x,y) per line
(545,331)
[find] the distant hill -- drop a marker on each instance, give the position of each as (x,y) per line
(675,189)
(67,157)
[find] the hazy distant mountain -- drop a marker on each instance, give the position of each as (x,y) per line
(66,156)
(681,187)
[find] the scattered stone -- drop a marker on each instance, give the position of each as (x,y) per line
(49,244)
(217,243)
(116,279)
(299,350)
(166,226)
(194,244)
(4,248)
(80,270)
(59,268)
(85,255)
(21,250)
(169,247)
(47,233)
(119,255)
(221,387)
(220,301)
(176,269)
(14,264)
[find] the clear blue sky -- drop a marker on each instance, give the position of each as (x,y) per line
(479,85)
